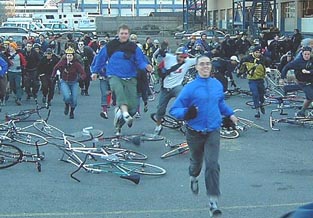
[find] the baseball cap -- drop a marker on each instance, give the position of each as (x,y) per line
(234,58)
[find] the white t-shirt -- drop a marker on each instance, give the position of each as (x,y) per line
(176,77)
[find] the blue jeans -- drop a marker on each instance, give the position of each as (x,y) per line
(69,91)
(258,90)
(205,147)
(164,97)
(104,88)
(15,84)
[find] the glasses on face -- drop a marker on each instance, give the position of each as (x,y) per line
(202,64)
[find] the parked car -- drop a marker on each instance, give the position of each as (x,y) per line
(58,27)
(6,32)
(210,34)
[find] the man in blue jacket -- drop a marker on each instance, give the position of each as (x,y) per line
(201,104)
(3,78)
(121,58)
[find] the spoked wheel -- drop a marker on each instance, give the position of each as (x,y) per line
(22,115)
(142,168)
(49,130)
(229,134)
(9,155)
(251,104)
(168,121)
(84,136)
(182,148)
(29,138)
(126,154)
(150,137)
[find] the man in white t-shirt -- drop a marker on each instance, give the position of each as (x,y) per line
(172,72)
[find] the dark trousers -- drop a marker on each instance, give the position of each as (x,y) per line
(47,87)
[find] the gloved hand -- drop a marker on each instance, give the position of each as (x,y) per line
(191,113)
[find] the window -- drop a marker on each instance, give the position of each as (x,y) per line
(307,7)
(289,9)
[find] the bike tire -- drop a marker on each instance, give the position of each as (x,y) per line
(182,148)
(251,104)
(48,130)
(9,155)
(29,138)
(229,134)
(126,154)
(83,137)
(142,168)
(150,137)
(21,115)
(167,121)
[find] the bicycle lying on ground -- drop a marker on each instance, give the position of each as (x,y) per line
(97,160)
(11,155)
(299,121)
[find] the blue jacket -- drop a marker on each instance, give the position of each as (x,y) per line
(4,67)
(298,64)
(117,64)
(207,95)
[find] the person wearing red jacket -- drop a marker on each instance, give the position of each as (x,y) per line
(70,71)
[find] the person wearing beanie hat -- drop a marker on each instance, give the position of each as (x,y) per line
(17,63)
(254,66)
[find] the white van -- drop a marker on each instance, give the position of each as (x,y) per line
(58,27)
(27,25)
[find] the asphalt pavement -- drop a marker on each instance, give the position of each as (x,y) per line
(263,174)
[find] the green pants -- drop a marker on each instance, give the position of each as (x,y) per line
(126,92)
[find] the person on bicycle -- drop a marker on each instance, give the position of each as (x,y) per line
(172,70)
(71,70)
(255,65)
(303,66)
(122,58)
(45,69)
(201,104)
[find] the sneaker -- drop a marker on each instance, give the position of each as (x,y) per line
(137,115)
(117,117)
(300,113)
(18,102)
(158,130)
(66,109)
(262,109)
(145,107)
(257,115)
(118,131)
(128,119)
(49,103)
(104,114)
(194,186)
(214,211)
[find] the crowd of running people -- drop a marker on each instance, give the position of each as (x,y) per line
(123,64)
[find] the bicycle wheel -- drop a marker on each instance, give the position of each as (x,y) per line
(48,130)
(265,103)
(126,154)
(84,137)
(150,137)
(29,138)
(229,134)
(9,155)
(167,121)
(21,115)
(142,168)
(182,148)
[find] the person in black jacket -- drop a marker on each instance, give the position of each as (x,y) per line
(296,41)
(31,81)
(45,69)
